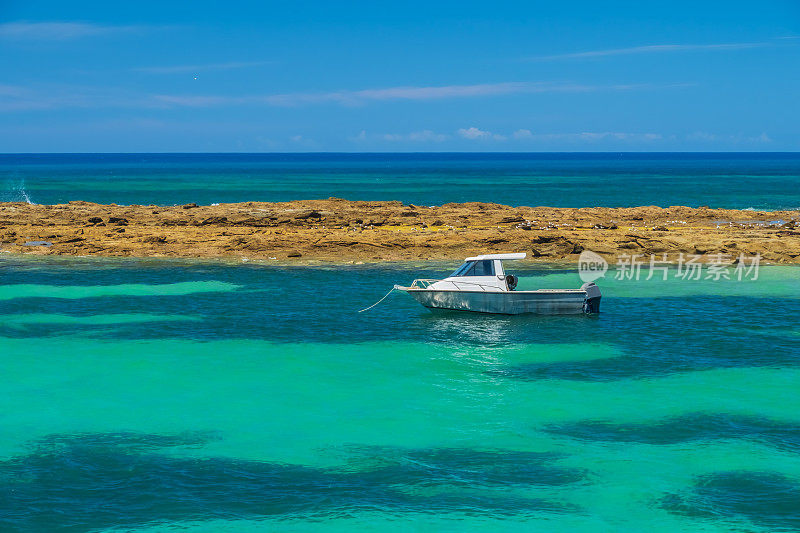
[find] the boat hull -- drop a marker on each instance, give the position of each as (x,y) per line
(566,302)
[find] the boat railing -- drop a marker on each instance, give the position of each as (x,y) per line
(472,284)
(459,285)
(423,283)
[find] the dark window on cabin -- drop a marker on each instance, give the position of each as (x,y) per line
(483,268)
(462,269)
(475,268)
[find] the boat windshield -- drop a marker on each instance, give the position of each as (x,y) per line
(475,268)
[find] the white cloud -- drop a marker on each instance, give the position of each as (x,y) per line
(177,69)
(473,133)
(11,90)
(15,98)
(649,49)
(415,136)
(361,137)
(396,93)
(265,143)
(427,135)
(59,31)
(196,101)
(59,96)
(360,97)
(587,136)
(701,136)
(619,136)
(706,137)
(302,142)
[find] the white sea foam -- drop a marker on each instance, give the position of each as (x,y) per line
(26,197)
(15,192)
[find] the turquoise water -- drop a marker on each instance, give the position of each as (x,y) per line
(178,395)
(738,181)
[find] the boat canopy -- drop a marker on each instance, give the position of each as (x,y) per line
(501,257)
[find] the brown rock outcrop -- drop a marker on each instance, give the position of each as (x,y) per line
(341,230)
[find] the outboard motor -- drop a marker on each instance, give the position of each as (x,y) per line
(511,281)
(592,303)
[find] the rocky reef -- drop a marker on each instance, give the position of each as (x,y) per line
(339,230)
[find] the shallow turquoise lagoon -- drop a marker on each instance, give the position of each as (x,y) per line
(190,396)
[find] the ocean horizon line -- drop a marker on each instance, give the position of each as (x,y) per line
(689,155)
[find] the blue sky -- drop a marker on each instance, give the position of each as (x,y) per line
(205,76)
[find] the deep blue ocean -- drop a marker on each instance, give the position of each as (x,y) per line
(758,181)
(156,395)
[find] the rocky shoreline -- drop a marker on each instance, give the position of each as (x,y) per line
(339,230)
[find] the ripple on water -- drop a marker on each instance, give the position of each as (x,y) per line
(91,481)
(687,428)
(766,499)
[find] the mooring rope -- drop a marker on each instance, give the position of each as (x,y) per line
(379,301)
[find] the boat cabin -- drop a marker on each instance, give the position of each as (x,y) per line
(481,273)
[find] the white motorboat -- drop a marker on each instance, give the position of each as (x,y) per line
(482,285)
